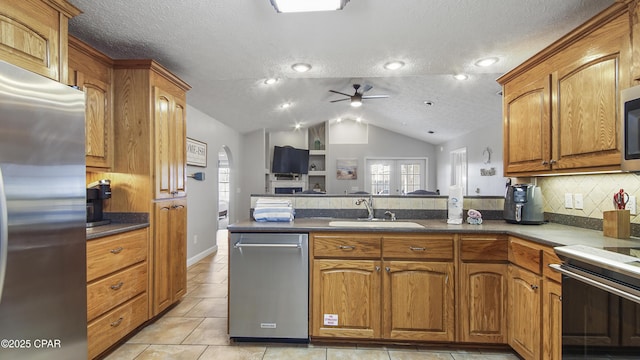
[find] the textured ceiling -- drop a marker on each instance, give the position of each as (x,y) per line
(226,48)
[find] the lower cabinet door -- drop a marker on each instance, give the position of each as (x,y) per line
(524,307)
(552,320)
(418,301)
(483,305)
(346,299)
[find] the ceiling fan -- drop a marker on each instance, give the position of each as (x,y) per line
(357,97)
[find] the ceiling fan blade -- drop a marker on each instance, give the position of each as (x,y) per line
(341,93)
(367,87)
(375,96)
(339,100)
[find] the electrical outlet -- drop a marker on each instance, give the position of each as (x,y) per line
(631,205)
(578,201)
(568,200)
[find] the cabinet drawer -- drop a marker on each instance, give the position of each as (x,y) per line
(525,255)
(108,329)
(346,245)
(115,289)
(550,257)
(484,248)
(433,247)
(113,253)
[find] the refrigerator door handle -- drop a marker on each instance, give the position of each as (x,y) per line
(4,234)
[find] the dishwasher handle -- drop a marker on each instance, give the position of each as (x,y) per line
(239,245)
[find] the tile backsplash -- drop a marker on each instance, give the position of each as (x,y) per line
(597,191)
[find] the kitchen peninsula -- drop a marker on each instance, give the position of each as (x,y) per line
(486,285)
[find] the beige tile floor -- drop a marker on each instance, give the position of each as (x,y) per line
(195,329)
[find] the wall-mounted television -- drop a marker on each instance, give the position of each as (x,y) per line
(289,160)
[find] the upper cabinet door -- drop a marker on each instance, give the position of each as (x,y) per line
(527,126)
(34,35)
(170,145)
(180,148)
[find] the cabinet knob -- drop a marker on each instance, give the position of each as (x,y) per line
(378,268)
(545,162)
(534,287)
(553,161)
(387,269)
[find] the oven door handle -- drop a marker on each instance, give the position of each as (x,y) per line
(267,245)
(614,288)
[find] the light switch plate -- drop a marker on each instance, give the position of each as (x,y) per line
(578,201)
(568,200)
(631,205)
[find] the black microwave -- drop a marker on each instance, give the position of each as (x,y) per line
(630,117)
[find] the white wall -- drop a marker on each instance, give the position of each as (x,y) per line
(252,169)
(475,143)
(202,196)
(382,143)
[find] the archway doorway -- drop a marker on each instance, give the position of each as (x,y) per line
(224,187)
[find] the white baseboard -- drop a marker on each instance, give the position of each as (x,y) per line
(202,255)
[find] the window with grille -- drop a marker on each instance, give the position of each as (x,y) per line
(395,176)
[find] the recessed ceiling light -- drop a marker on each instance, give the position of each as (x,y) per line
(393,65)
(271,81)
(301,67)
(487,61)
(285,105)
(285,6)
(359,119)
(428,102)
(461,76)
(339,120)
(298,126)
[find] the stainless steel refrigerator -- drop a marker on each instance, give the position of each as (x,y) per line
(43,300)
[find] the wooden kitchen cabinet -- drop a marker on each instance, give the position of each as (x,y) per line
(91,71)
(149,153)
(348,291)
(524,307)
(418,298)
(483,288)
(170,253)
(407,296)
(560,107)
(34,35)
(552,320)
(117,288)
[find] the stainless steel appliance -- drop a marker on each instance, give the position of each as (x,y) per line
(269,286)
(600,302)
(630,125)
(523,204)
(97,192)
(43,305)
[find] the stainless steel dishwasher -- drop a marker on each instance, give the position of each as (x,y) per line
(269,286)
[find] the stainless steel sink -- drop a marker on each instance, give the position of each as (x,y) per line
(376,224)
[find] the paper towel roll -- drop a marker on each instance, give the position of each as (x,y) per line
(455,204)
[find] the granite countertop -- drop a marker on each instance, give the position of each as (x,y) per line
(113,228)
(550,234)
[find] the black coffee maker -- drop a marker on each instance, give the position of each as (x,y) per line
(97,192)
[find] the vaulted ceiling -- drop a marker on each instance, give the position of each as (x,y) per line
(225,49)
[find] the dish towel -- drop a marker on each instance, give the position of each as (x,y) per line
(273,210)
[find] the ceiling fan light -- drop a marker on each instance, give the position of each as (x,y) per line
(301,67)
(393,65)
(286,6)
(356,102)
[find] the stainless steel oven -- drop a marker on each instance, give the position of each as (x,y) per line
(600,302)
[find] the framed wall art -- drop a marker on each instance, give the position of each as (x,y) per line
(347,169)
(196,153)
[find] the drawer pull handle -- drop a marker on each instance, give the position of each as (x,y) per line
(117,322)
(347,247)
(117,286)
(417,248)
(117,250)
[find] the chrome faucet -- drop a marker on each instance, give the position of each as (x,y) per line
(368,205)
